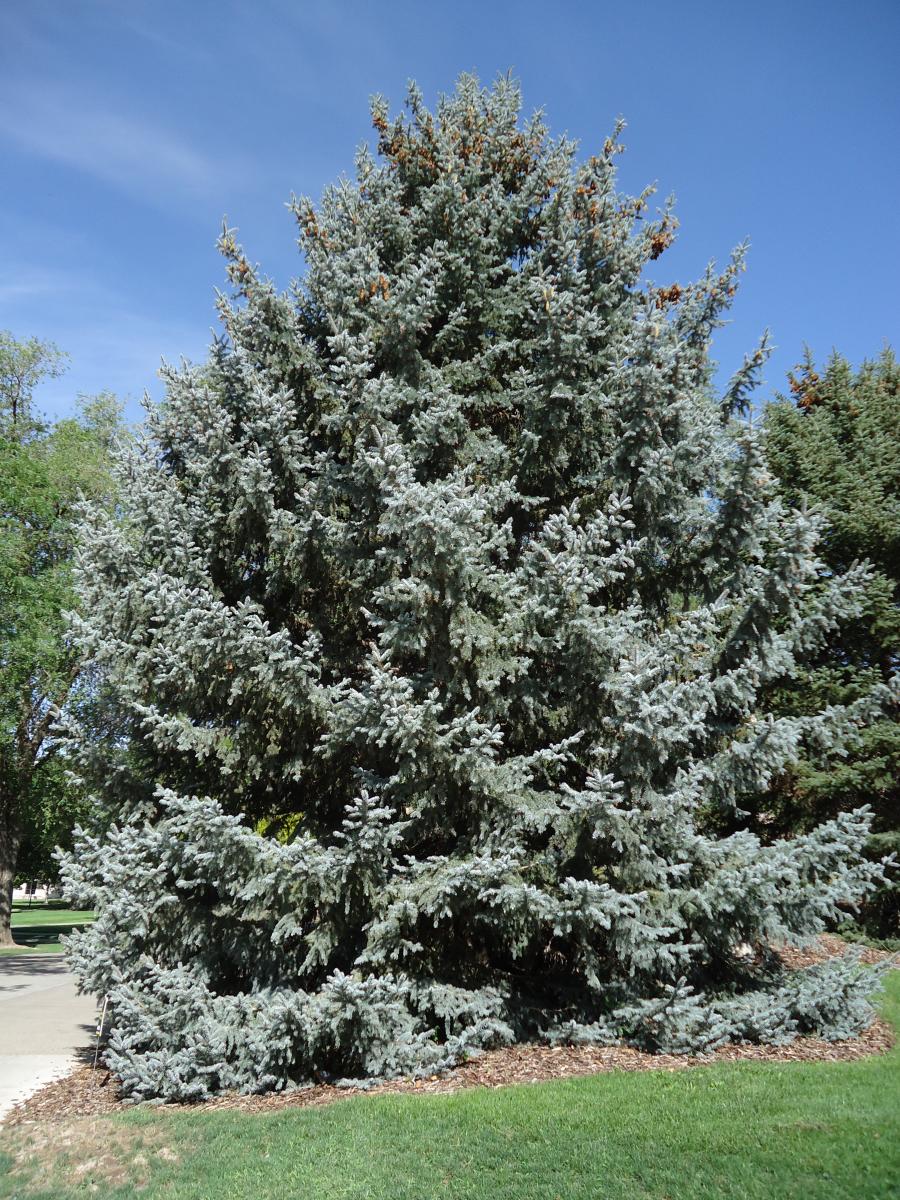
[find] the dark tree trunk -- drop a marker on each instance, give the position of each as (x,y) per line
(10,838)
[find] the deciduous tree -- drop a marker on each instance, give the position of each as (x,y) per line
(44,469)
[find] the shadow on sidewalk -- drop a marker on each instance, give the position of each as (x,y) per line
(32,964)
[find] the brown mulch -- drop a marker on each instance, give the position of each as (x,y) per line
(827,945)
(91,1093)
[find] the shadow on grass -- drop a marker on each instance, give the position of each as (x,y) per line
(41,936)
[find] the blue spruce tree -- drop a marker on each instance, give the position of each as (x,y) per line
(436,614)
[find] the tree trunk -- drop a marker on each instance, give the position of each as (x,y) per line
(10,837)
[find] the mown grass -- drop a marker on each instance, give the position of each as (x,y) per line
(36,928)
(741,1131)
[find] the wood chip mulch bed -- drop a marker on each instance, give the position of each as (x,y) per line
(87,1092)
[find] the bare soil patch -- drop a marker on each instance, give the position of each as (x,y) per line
(93,1093)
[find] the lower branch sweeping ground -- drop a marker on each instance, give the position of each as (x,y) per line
(90,1092)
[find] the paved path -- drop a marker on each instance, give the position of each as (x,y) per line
(44,1024)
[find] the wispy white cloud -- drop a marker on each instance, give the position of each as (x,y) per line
(131,153)
(32,284)
(113,342)
(119,352)
(146,23)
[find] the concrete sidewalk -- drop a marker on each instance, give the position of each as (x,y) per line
(44,1024)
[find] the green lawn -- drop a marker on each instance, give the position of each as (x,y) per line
(36,928)
(744,1131)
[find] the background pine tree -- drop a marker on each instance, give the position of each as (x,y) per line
(437,612)
(834,445)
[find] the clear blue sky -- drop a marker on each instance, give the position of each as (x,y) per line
(128,128)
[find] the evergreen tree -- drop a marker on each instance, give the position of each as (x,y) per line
(437,614)
(834,447)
